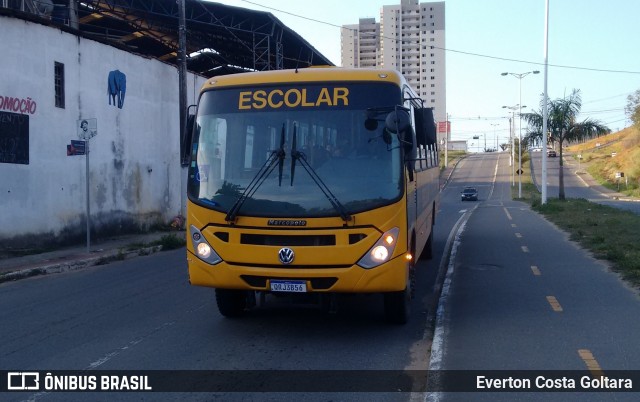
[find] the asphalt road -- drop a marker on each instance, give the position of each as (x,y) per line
(518,296)
(142,314)
(522,298)
(575,183)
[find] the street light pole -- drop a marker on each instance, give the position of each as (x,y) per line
(495,137)
(512,137)
(520,76)
(544,104)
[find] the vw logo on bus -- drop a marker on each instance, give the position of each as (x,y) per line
(286,255)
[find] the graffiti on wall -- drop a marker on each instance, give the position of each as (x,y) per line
(14,138)
(116,87)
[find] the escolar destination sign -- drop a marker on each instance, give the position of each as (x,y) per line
(299,97)
(293,97)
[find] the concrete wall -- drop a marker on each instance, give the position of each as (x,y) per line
(457,145)
(135,175)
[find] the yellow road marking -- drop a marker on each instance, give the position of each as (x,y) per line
(591,362)
(555,305)
(525,249)
(535,270)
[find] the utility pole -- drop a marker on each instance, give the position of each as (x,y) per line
(446,140)
(520,76)
(512,135)
(544,104)
(182,67)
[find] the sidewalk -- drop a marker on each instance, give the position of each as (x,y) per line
(572,166)
(76,257)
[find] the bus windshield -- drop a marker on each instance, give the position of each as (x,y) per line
(261,135)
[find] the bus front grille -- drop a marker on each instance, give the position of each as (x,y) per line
(287,240)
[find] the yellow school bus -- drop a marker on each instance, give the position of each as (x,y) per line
(314,181)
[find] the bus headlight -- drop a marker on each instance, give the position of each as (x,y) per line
(381,251)
(202,249)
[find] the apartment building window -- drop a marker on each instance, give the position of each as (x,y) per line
(58,72)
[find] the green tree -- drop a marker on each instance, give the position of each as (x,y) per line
(562,125)
(633,108)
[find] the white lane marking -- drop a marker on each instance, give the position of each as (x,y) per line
(437,345)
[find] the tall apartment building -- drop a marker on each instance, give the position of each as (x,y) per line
(360,45)
(410,38)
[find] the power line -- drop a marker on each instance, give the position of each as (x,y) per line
(608,98)
(537,63)
(456,51)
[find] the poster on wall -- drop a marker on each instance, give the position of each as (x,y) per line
(87,128)
(14,138)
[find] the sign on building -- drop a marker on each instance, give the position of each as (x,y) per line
(87,128)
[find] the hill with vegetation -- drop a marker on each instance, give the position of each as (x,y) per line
(606,156)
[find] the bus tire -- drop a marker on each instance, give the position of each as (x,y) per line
(427,252)
(231,303)
(397,306)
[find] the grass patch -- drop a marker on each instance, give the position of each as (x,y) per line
(606,156)
(611,234)
(452,156)
(170,242)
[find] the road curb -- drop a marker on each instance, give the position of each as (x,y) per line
(60,267)
(455,165)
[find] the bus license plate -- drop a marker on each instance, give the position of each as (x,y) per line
(288,286)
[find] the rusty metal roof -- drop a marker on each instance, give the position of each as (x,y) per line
(221,39)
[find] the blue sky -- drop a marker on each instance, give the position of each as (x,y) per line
(484,38)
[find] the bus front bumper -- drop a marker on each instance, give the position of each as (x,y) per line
(389,277)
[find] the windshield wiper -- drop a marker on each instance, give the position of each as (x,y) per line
(297,155)
(276,156)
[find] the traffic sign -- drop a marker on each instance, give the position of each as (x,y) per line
(76,148)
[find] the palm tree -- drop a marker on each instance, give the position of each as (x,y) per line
(562,125)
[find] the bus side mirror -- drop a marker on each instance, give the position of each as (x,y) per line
(397,122)
(187,137)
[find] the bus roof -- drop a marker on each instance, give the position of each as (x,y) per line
(312,74)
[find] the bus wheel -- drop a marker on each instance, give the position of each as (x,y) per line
(231,303)
(397,306)
(427,252)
